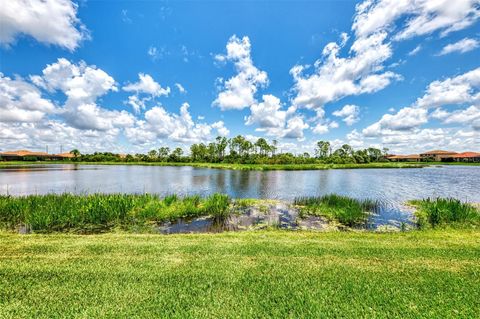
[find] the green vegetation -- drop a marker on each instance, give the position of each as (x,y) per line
(428,274)
(99,212)
(233,166)
(347,211)
(440,212)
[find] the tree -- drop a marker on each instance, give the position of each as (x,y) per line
(76,154)
(176,154)
(163,153)
(222,143)
(274,147)
(263,146)
(152,154)
(323,149)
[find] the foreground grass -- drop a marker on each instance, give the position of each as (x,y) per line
(429,274)
(346,210)
(256,167)
(100,212)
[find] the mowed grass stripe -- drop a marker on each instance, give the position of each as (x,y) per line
(252,274)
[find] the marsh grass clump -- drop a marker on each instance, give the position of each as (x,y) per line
(445,212)
(97,212)
(347,211)
(217,205)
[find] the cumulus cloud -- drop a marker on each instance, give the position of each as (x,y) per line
(161,124)
(21,101)
(147,85)
(405,119)
(469,116)
(335,77)
(462,46)
(324,126)
(83,85)
(269,117)
(461,89)
(55,134)
(48,21)
(349,113)
(239,91)
(267,114)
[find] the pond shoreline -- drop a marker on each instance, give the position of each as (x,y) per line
(251,167)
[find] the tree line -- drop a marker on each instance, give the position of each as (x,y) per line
(240,150)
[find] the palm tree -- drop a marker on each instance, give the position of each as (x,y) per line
(76,153)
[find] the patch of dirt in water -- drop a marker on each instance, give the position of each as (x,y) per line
(260,215)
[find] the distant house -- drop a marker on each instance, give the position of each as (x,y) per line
(466,157)
(25,155)
(437,156)
(404,158)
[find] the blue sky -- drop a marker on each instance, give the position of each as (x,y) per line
(129,76)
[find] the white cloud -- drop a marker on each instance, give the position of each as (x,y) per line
(462,46)
(324,127)
(20,101)
(221,129)
(147,85)
(48,21)
(269,117)
(160,124)
(405,119)
(180,88)
(335,77)
(423,17)
(415,51)
(349,113)
(83,85)
(267,114)
(239,91)
(469,116)
(456,90)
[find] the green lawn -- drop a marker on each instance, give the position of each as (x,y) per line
(419,274)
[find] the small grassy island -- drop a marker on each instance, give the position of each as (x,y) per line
(122,269)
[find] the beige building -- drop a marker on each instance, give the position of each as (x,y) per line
(436,155)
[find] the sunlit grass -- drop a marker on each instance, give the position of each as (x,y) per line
(264,274)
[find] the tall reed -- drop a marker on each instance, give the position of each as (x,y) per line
(445,211)
(347,211)
(58,212)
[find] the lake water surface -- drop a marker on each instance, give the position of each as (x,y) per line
(391,187)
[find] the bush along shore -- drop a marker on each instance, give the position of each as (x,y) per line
(96,213)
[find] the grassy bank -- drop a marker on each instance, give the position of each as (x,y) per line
(101,212)
(429,274)
(256,167)
(345,210)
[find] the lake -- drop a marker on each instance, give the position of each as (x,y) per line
(390,187)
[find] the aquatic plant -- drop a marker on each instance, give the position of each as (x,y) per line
(347,211)
(58,212)
(445,211)
(216,205)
